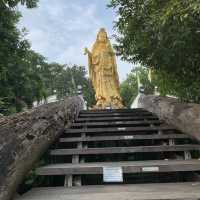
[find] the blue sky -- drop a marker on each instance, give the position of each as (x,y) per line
(60,29)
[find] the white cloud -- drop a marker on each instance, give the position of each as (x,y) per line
(61,29)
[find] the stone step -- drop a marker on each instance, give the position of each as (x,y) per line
(123,150)
(154,166)
(113,111)
(113,119)
(121,129)
(125,137)
(145,113)
(116,123)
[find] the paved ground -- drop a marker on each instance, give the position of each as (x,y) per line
(168,191)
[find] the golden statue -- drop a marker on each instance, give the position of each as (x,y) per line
(103,73)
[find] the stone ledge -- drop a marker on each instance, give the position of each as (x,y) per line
(184,116)
(24,137)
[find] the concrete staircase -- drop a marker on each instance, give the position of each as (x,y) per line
(135,141)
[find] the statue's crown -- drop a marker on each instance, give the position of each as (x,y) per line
(102,30)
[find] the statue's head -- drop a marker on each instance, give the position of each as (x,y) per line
(102,35)
(102,42)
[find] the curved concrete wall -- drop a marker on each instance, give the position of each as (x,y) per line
(25,136)
(184,116)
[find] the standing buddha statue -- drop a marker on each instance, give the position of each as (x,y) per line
(103,73)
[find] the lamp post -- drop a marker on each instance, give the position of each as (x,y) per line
(80,94)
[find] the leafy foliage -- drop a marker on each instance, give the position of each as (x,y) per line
(163,35)
(129,87)
(66,80)
(19,82)
(26,76)
(27,3)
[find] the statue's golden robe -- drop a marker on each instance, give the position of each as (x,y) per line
(103,73)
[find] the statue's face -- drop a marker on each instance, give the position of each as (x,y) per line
(102,37)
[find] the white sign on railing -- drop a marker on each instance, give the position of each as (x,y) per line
(150,169)
(112,174)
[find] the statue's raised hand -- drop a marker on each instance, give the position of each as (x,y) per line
(86,51)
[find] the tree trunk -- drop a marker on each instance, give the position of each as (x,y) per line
(184,116)
(24,137)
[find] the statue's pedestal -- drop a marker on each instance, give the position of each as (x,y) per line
(113,103)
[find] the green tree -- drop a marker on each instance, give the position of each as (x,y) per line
(67,81)
(26,76)
(51,72)
(129,87)
(163,35)
(79,74)
(20,84)
(27,3)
